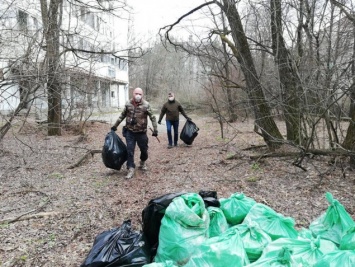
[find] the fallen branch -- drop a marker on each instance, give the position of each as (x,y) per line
(100,121)
(83,158)
(313,152)
(235,156)
(27,216)
(252,147)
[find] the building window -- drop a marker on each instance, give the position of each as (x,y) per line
(112,94)
(22,19)
(82,13)
(97,88)
(123,64)
(81,43)
(105,58)
(90,19)
(35,23)
(111,72)
(98,23)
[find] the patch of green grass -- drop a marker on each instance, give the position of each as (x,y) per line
(55,175)
(253,179)
(220,139)
(230,154)
(99,183)
(52,237)
(255,166)
(4,225)
(23,258)
(50,240)
(39,241)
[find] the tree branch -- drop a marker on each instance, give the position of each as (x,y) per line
(171,26)
(25,215)
(83,158)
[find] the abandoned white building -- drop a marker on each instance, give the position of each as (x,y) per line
(93,67)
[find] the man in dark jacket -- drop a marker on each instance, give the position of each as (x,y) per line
(136,112)
(171,109)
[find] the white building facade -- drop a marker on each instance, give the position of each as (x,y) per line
(93,56)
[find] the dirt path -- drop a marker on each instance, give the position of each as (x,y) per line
(57,212)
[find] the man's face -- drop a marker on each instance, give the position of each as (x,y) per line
(138,94)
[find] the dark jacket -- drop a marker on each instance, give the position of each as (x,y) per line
(136,115)
(171,109)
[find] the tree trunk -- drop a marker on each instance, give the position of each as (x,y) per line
(262,112)
(349,141)
(51,25)
(230,99)
(289,81)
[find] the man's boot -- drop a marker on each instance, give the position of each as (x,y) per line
(130,173)
(142,165)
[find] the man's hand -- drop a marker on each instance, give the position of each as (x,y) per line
(155,133)
(159,122)
(114,128)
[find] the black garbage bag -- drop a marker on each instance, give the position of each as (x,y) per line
(119,247)
(114,151)
(189,132)
(210,198)
(152,215)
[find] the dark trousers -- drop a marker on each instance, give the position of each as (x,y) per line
(141,139)
(175,125)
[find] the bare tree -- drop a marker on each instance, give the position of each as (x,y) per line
(290,83)
(349,141)
(51,18)
(163,69)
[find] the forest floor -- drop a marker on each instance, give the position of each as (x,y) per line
(50,213)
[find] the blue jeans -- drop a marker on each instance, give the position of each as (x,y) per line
(175,125)
(141,139)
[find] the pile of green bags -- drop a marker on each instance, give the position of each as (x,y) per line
(241,232)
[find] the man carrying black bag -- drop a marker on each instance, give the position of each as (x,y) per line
(172,108)
(114,151)
(136,112)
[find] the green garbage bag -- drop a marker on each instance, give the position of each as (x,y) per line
(348,240)
(254,239)
(183,228)
(283,259)
(303,249)
(334,223)
(218,222)
(225,250)
(236,207)
(305,233)
(161,264)
(339,258)
(273,223)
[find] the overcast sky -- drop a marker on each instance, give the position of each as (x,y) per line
(150,15)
